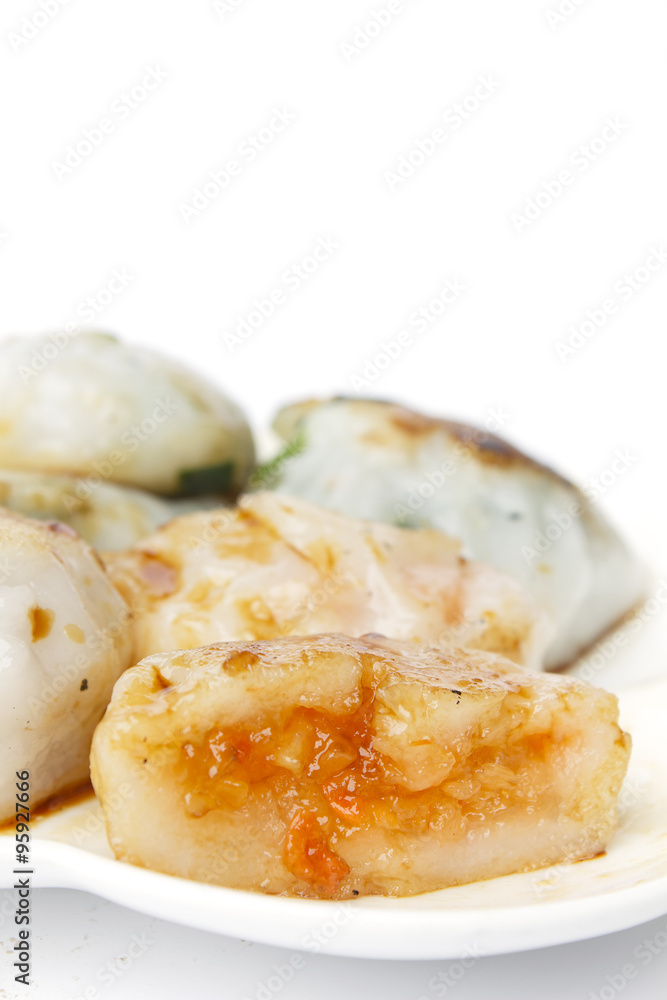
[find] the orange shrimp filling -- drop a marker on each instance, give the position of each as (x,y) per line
(329,782)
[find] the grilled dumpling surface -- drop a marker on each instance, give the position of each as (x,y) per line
(332,767)
(276,566)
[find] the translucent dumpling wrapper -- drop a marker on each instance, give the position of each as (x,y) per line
(380,461)
(65,639)
(330,767)
(98,407)
(106,515)
(276,566)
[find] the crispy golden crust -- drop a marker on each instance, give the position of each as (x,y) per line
(276,566)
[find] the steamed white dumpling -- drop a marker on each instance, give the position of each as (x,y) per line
(106,515)
(126,414)
(380,461)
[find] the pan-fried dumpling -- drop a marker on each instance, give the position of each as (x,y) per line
(276,566)
(65,638)
(333,767)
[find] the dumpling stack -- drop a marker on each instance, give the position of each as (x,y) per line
(259,706)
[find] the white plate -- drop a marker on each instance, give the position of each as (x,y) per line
(624,887)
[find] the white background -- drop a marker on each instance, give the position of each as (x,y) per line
(355,113)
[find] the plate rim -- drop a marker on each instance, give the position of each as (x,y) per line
(430,933)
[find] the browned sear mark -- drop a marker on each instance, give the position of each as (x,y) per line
(75,633)
(41,622)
